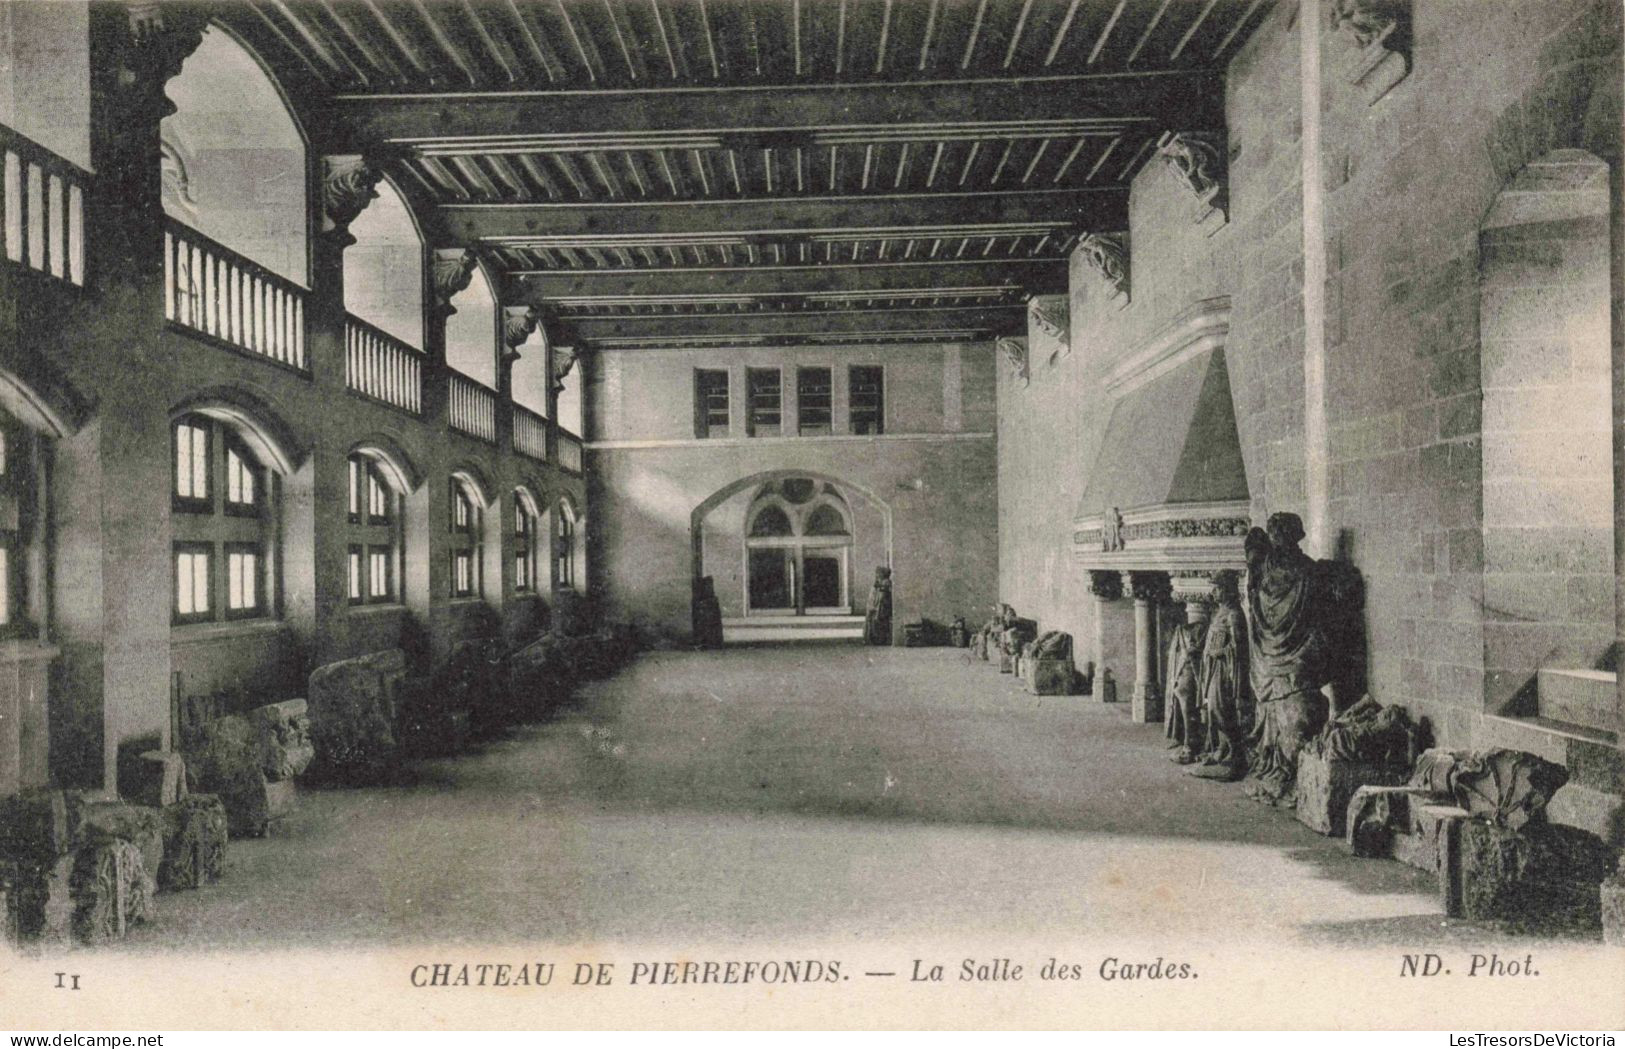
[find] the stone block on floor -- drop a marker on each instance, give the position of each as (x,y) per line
(42,901)
(139,825)
(1611,898)
(1326,786)
(352,711)
(1421,845)
(38,825)
(1052,677)
(283,737)
(159,778)
(194,842)
(1543,873)
(229,762)
(111,890)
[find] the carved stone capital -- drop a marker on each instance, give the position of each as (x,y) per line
(450,273)
(1108,586)
(1050,314)
(1198,159)
(1107,255)
(1149,586)
(1380,32)
(518,322)
(1014,349)
(349,184)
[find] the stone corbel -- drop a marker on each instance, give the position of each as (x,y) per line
(349,184)
(518,323)
(1380,32)
(1108,586)
(1198,160)
(564,358)
(1107,255)
(163,34)
(450,273)
(1014,349)
(1052,315)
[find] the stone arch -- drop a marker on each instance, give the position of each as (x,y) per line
(266,434)
(394,460)
(384,268)
(696,517)
(236,161)
(474,479)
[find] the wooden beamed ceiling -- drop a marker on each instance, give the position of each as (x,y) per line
(758,168)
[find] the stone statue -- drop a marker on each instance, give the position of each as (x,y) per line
(1226,697)
(1183,718)
(1289,604)
(877,621)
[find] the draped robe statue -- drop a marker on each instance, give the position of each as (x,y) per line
(1183,720)
(1289,604)
(877,620)
(1226,698)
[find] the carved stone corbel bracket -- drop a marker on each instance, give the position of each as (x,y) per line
(518,322)
(1108,586)
(1014,349)
(1380,32)
(1052,315)
(349,184)
(1107,255)
(564,358)
(450,273)
(163,34)
(1198,159)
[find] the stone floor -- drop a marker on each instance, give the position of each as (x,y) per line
(816,791)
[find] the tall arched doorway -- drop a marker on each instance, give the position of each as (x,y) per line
(798,550)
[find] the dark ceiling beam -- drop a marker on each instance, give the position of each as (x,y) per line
(1101,210)
(783,115)
(1033,276)
(984,322)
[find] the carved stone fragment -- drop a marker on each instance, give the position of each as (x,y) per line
(1014,350)
(1107,254)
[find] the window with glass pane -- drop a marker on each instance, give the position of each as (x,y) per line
(814,402)
(375,532)
(565,553)
(193,562)
(191,438)
(866,397)
(243,589)
(466,553)
(764,401)
(357,591)
(710,402)
(21,517)
(524,531)
(223,546)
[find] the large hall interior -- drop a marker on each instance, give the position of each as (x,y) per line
(569,470)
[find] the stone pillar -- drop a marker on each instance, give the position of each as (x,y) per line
(1108,649)
(1149,590)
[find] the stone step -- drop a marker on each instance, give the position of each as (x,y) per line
(1579,697)
(760,629)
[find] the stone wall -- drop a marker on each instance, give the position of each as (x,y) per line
(1408,179)
(932,471)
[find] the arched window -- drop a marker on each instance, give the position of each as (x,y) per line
(383,269)
(770,521)
(23,454)
(825,519)
(374,513)
(233,159)
(467,541)
(224,503)
(526,531)
(471,332)
(564,547)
